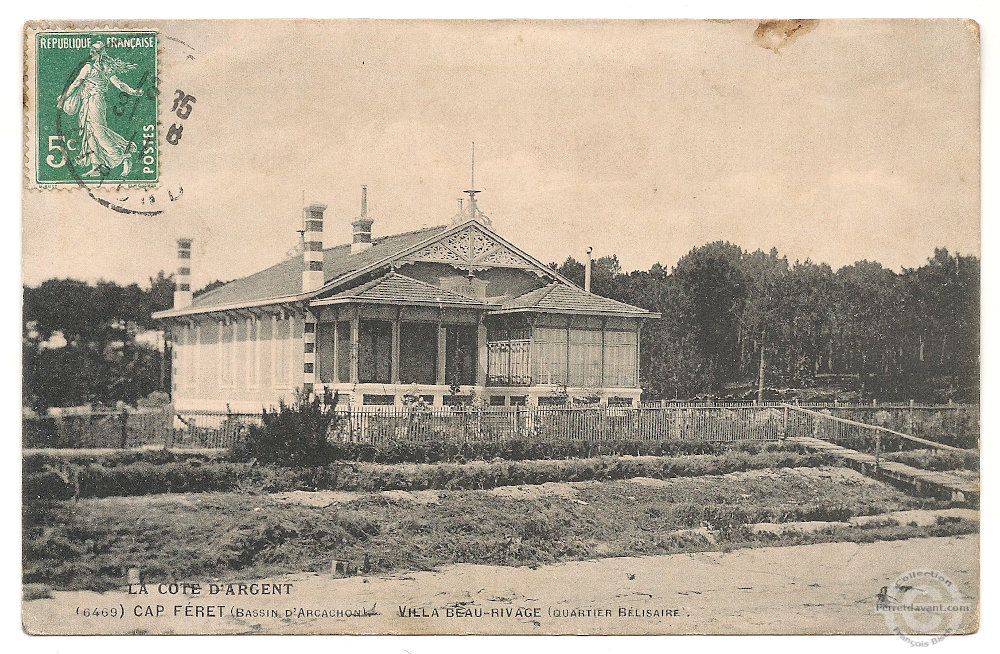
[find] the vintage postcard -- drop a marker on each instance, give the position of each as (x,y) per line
(501,327)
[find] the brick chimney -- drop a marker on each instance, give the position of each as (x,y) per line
(312,252)
(362,226)
(182,284)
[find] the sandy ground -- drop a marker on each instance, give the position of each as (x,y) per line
(563,489)
(921,518)
(826,588)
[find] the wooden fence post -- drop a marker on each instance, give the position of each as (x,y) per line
(168,415)
(124,419)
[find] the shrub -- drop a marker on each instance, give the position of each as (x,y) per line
(293,435)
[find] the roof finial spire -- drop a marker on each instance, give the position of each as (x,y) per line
(472,189)
(473,211)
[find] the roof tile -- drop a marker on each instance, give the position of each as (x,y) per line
(558,297)
(285,278)
(400,288)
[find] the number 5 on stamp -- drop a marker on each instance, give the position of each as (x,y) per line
(95,108)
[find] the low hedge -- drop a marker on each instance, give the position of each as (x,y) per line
(530,449)
(433,452)
(937,459)
(38,461)
(69,480)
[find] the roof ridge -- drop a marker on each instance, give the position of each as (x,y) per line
(379,239)
(361,288)
(548,290)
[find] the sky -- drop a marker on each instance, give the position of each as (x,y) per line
(854,140)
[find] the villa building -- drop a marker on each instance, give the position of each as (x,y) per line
(440,313)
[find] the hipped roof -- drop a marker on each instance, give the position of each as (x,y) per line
(285,278)
(282,283)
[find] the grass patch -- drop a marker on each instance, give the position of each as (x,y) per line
(45,479)
(90,544)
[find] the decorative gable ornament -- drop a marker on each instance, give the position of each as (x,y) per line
(471,249)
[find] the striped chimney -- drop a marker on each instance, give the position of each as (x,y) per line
(362,226)
(312,253)
(182,285)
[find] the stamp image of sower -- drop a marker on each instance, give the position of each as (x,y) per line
(96,108)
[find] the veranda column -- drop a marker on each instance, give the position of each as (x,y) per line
(482,352)
(638,338)
(569,339)
(394,363)
(604,349)
(336,352)
(355,332)
(441,353)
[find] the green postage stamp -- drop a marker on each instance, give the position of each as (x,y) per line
(95,118)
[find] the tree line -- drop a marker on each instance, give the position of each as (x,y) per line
(79,341)
(732,317)
(860,332)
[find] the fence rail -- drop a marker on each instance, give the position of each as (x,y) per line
(558,423)
(99,429)
(956,425)
(858,435)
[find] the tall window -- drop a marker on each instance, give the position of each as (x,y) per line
(293,354)
(584,358)
(225,355)
(418,348)
(375,351)
(253,353)
(548,356)
(508,357)
(181,356)
(619,359)
(194,360)
(324,351)
(344,351)
(280,363)
(460,355)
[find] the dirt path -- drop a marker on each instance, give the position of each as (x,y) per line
(806,589)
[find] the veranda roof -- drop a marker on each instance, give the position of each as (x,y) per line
(560,298)
(395,288)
